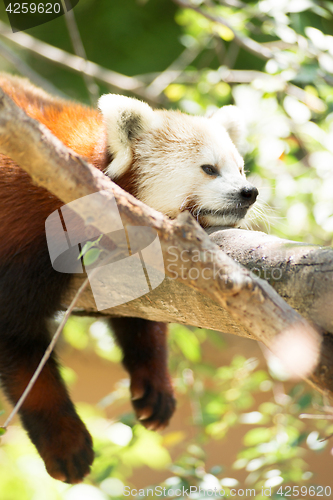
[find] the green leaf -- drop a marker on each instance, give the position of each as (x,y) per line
(76,332)
(258,435)
(91,256)
(85,248)
(88,245)
(305,400)
(215,470)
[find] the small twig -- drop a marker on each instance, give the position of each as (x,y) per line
(231,55)
(80,51)
(27,71)
(220,49)
(316,417)
(244,41)
(173,71)
(247,76)
(325,438)
(234,3)
(75,63)
(325,7)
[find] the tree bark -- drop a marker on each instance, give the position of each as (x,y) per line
(302,274)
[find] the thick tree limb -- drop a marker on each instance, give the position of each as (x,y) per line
(302,274)
(251,303)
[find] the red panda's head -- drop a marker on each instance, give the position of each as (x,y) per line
(177,162)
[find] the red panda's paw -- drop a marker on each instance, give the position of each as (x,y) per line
(152,399)
(65,445)
(69,458)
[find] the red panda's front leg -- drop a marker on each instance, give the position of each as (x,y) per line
(144,349)
(30,292)
(48,415)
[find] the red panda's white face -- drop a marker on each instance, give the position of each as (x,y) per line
(179,162)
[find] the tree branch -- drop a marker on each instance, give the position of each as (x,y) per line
(79,50)
(247,43)
(162,80)
(24,69)
(252,303)
(75,63)
(246,76)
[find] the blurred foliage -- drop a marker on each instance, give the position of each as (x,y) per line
(221,398)
(123,35)
(274,59)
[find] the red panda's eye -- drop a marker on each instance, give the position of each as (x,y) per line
(209,170)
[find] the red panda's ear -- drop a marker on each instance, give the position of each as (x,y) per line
(230,117)
(126,119)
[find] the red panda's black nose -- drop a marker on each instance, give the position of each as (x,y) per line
(249,194)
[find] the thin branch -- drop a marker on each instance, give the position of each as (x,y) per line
(234,3)
(316,417)
(246,76)
(25,70)
(247,43)
(232,54)
(220,49)
(80,51)
(173,71)
(75,63)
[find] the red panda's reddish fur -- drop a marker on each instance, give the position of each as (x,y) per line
(31,291)
(77,126)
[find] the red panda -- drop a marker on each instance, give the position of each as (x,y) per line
(169,160)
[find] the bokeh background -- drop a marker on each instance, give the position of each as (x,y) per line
(237,423)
